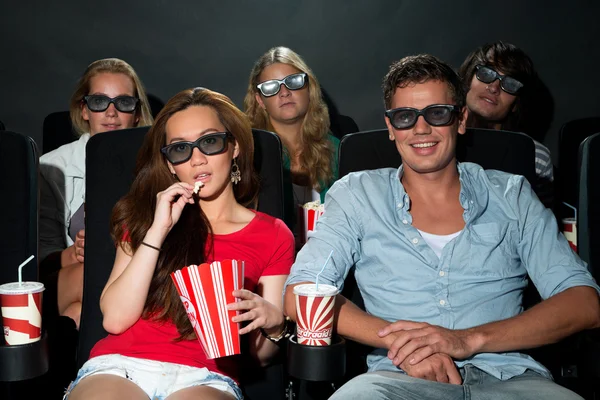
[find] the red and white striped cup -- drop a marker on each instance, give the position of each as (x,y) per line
(570,231)
(21,311)
(205,291)
(314,313)
(308,215)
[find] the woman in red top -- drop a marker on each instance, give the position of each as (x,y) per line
(160,226)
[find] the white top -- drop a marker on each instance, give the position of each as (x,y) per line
(62,192)
(437,242)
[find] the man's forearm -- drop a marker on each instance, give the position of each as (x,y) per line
(553,319)
(350,321)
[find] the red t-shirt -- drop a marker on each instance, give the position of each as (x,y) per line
(266,245)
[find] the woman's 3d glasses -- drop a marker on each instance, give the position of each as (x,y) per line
(435,115)
(100,102)
(488,75)
(292,82)
(210,144)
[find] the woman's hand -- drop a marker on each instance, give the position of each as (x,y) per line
(79,245)
(258,310)
(169,206)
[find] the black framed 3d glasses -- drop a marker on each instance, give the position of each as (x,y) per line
(434,115)
(210,144)
(100,102)
(292,82)
(488,75)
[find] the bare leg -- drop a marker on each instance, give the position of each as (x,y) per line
(106,387)
(70,291)
(73,311)
(200,392)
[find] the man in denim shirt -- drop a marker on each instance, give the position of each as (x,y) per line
(442,254)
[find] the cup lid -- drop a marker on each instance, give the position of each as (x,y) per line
(21,288)
(310,289)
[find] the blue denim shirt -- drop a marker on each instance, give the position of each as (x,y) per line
(480,276)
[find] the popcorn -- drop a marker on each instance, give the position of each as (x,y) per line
(197,186)
(314,205)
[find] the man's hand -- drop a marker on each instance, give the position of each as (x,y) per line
(438,368)
(415,341)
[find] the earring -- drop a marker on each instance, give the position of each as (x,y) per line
(236,175)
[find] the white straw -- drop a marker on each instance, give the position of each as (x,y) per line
(323,268)
(21,267)
(572,208)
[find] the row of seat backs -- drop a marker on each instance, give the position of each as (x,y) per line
(19,205)
(492,149)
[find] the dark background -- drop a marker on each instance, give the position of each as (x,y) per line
(45,46)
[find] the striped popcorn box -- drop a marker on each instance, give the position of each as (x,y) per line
(205,291)
(314,313)
(570,232)
(21,312)
(309,213)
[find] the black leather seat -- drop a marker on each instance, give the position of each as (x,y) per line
(571,136)
(588,246)
(110,164)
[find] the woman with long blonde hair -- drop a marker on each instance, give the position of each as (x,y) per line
(284,96)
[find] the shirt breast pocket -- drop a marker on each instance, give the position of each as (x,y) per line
(492,251)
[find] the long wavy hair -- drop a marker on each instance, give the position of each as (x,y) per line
(316,151)
(189,241)
(82,89)
(513,62)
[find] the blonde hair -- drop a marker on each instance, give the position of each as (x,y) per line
(112,66)
(317,152)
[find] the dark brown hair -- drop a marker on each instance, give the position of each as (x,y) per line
(512,61)
(188,242)
(420,69)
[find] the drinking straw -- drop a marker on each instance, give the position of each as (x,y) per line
(572,208)
(21,267)
(323,268)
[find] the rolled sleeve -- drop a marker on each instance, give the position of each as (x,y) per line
(545,252)
(338,229)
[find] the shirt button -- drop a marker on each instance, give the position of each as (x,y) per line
(404,221)
(415,240)
(442,273)
(399,205)
(442,302)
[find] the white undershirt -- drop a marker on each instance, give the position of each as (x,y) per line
(437,242)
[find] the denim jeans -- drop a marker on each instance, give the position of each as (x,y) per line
(477,385)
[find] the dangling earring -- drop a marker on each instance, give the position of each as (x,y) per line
(236,175)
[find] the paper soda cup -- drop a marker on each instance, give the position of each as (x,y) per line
(570,231)
(21,312)
(205,291)
(308,214)
(314,313)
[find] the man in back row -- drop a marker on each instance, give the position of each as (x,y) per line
(502,86)
(442,251)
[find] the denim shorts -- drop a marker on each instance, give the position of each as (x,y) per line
(158,379)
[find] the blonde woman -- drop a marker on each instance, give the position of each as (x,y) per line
(108,96)
(284,97)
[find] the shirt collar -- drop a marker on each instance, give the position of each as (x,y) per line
(472,200)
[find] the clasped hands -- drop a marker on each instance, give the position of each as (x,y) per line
(427,351)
